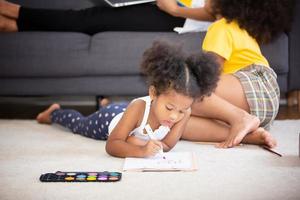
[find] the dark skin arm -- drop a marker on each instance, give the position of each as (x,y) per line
(202,13)
(175,133)
(117,144)
(171,138)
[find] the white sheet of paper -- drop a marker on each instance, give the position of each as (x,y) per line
(191,25)
(166,161)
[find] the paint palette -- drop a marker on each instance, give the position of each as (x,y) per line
(59,176)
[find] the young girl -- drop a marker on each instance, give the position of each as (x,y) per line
(174,82)
(247,84)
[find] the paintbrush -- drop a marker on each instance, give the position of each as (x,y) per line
(270,150)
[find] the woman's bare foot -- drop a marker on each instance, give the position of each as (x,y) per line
(246,124)
(7,24)
(9,9)
(265,137)
(44,117)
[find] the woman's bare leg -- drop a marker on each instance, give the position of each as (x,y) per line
(209,130)
(229,105)
(8,24)
(9,9)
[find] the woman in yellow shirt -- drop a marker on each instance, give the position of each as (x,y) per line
(247,96)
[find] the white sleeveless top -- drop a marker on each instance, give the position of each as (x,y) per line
(159,133)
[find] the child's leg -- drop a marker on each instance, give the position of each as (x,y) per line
(73,120)
(94,126)
(9,9)
(89,126)
(209,130)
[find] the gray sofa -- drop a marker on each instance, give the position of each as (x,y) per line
(107,63)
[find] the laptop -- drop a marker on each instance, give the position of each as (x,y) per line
(121,3)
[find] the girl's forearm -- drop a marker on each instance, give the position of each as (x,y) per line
(166,147)
(136,141)
(120,148)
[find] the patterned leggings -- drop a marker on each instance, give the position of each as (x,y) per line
(93,126)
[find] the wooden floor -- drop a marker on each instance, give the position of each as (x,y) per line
(286,112)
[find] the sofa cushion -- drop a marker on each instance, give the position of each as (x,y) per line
(42,54)
(52,54)
(63,54)
(119,57)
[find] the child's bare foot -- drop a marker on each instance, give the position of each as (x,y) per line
(104,102)
(265,137)
(246,124)
(44,117)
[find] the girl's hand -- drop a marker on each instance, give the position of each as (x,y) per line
(169,6)
(170,140)
(151,148)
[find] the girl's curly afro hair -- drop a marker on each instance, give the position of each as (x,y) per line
(167,67)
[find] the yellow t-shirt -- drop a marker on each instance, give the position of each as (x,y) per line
(186,3)
(234,44)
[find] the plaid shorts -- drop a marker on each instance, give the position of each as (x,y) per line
(262,92)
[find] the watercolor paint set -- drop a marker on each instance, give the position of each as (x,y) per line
(60,176)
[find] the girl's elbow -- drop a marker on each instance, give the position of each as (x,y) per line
(111,150)
(108,149)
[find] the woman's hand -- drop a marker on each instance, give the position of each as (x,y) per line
(201,13)
(169,6)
